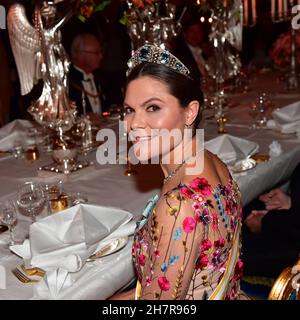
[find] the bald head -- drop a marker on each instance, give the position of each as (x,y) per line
(86,52)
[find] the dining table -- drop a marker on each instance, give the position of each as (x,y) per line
(108,185)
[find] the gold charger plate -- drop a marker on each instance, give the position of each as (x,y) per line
(260,157)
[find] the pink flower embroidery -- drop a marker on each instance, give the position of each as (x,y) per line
(135,247)
(196,206)
(217,259)
(142,259)
(205,244)
(205,217)
(201,185)
(164,283)
(227,206)
(186,192)
(215,221)
(199,198)
(202,261)
(197,215)
(157,253)
(238,270)
(189,224)
(220,243)
(148,281)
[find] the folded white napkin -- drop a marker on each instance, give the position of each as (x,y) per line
(275,149)
(14,133)
(57,280)
(97,280)
(230,148)
(2,277)
(62,242)
(66,239)
(286,119)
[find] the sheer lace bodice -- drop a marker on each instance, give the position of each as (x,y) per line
(182,244)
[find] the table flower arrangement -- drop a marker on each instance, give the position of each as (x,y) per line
(88,7)
(281,50)
(150,21)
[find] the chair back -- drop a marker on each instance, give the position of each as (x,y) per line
(287,285)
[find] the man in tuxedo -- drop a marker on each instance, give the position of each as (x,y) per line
(190,47)
(271,231)
(85,86)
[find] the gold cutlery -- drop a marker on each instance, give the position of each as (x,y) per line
(35,271)
(22,277)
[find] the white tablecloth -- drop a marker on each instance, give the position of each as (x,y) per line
(107,185)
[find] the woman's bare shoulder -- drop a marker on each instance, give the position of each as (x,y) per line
(213,170)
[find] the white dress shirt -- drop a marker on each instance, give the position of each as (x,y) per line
(89,86)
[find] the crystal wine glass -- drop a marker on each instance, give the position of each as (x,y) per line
(254,113)
(8,216)
(31,200)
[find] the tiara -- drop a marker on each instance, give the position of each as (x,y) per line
(154,54)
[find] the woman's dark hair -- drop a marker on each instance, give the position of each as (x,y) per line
(184,88)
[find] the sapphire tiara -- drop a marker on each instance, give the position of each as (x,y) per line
(154,54)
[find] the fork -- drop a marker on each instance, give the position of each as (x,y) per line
(22,277)
(35,271)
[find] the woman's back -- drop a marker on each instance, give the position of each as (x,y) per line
(183,249)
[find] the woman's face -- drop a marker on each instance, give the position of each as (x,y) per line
(149,107)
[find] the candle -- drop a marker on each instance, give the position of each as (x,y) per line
(285,8)
(254,11)
(246,12)
(273,8)
(280,8)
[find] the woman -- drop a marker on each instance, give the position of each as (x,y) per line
(184,241)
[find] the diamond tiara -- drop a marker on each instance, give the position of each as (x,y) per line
(154,54)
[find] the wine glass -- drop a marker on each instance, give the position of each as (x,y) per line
(31,199)
(254,112)
(8,216)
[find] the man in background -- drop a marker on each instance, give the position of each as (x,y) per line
(191,48)
(271,231)
(87,88)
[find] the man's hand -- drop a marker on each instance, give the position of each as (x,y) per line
(253,221)
(276,200)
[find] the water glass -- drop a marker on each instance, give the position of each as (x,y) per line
(8,217)
(30,200)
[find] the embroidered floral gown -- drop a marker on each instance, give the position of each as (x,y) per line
(182,252)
